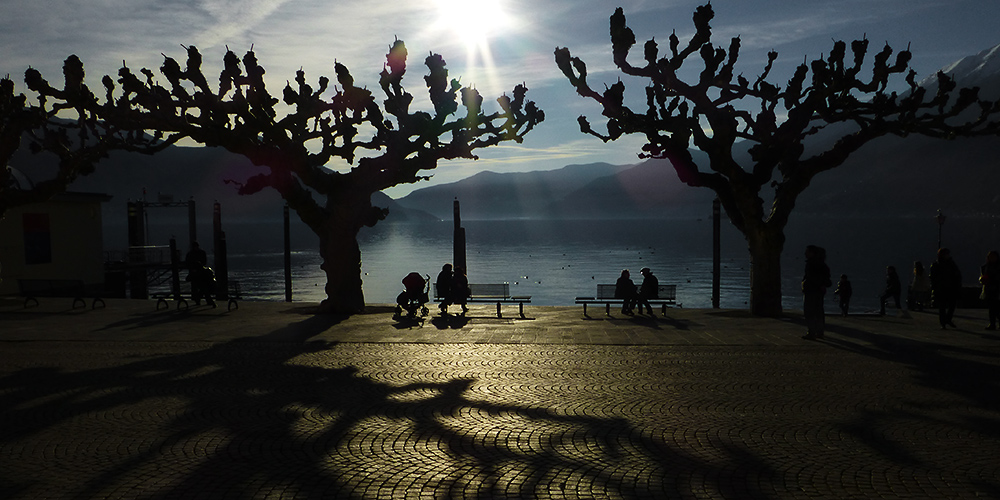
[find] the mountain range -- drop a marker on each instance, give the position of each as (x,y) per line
(890,176)
(894,176)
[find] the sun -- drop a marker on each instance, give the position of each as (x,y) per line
(474,22)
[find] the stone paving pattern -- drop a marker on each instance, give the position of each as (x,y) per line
(270,401)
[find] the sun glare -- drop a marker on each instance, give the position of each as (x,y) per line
(474,22)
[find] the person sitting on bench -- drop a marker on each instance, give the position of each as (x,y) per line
(648,290)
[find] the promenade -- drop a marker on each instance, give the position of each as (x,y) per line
(271,401)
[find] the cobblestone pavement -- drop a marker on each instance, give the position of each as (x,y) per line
(279,414)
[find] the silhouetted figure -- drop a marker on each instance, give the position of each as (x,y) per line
(443,287)
(413,297)
(843,292)
(196,257)
(650,289)
(893,289)
(201,277)
(946,286)
(920,289)
(815,281)
(989,277)
(460,289)
(625,290)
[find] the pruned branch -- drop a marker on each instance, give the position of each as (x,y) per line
(65,123)
(775,119)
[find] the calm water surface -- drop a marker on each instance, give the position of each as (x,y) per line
(555,261)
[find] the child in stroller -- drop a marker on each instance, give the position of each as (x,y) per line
(414,297)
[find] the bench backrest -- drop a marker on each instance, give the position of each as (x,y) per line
(485,290)
(668,292)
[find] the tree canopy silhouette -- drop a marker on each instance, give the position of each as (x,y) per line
(63,122)
(722,107)
(296,136)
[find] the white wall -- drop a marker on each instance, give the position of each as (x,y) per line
(75,235)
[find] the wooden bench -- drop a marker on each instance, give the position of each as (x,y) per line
(31,289)
(489,293)
(666,296)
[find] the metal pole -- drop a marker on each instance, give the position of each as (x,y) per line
(219,254)
(288,258)
(138,288)
(459,250)
(175,265)
(716,252)
(192,223)
(940,220)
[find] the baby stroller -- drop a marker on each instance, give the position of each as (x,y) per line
(414,297)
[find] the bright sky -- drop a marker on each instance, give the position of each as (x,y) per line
(491,44)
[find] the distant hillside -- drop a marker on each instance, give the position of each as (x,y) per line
(649,189)
(490,195)
(915,176)
(185,172)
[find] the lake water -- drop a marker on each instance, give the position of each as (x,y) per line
(555,261)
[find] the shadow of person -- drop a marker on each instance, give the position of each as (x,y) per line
(450,321)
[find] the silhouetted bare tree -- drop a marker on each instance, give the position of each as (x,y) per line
(722,107)
(386,146)
(62,122)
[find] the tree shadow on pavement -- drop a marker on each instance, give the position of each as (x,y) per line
(969,376)
(295,418)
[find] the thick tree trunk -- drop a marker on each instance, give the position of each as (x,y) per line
(765,244)
(338,246)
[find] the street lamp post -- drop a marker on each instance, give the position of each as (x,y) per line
(940,220)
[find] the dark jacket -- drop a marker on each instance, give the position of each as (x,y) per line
(892,286)
(946,279)
(624,288)
(989,277)
(816,278)
(844,289)
(443,286)
(650,288)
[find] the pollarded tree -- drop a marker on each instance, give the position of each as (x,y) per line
(722,107)
(386,146)
(61,123)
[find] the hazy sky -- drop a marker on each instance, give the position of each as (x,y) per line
(493,45)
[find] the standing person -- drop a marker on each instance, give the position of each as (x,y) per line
(460,289)
(893,289)
(815,281)
(946,285)
(920,288)
(989,277)
(625,290)
(442,288)
(650,289)
(201,277)
(843,292)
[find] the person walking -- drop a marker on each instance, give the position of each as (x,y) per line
(893,289)
(625,290)
(843,292)
(649,289)
(946,286)
(920,288)
(815,281)
(442,287)
(989,277)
